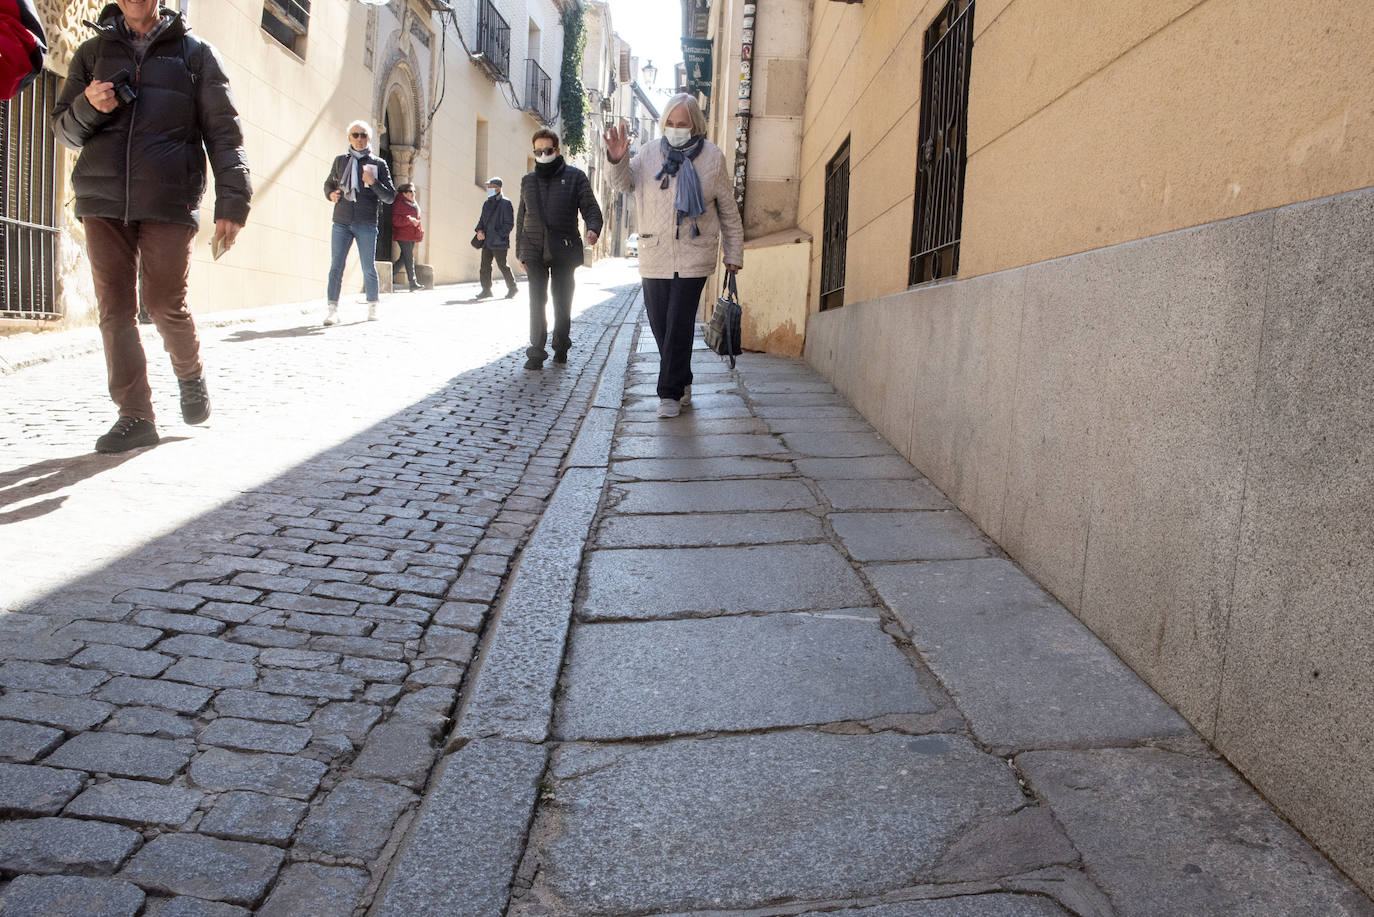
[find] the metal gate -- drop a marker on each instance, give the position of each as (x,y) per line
(835,232)
(942,151)
(28,186)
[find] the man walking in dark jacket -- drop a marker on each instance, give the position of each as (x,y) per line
(547,243)
(144,102)
(493,231)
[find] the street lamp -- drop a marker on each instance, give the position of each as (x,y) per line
(650,73)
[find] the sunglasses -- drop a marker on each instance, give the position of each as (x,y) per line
(356,134)
(544,152)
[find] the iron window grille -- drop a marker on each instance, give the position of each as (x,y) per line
(835,232)
(28,186)
(493,41)
(942,152)
(538,91)
(288,21)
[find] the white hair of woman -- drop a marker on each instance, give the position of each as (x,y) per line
(689,102)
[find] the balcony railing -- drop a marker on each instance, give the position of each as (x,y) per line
(538,91)
(493,41)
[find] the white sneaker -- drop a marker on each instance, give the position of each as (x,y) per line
(667,407)
(332,316)
(686,398)
(372,312)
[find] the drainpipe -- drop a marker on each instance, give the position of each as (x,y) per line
(746,91)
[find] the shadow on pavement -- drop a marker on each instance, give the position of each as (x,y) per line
(50,476)
(243,337)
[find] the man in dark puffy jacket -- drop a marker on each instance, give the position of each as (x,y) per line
(358,183)
(144,102)
(493,231)
(547,243)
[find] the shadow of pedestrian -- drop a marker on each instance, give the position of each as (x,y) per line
(244,336)
(49,476)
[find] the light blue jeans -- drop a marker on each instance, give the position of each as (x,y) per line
(342,238)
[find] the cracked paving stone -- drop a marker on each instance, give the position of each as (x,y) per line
(123,755)
(212,673)
(359,646)
(44,846)
(276,775)
(34,790)
(151,722)
(398,752)
(70,896)
(242,816)
(352,719)
(355,819)
(309,889)
(203,867)
(51,679)
(466,615)
(449,643)
(23,742)
(299,683)
(183,624)
(134,802)
(742,821)
(119,660)
(374,669)
(250,735)
(156,693)
(127,635)
(69,713)
(207,647)
(297,659)
(185,906)
(253,705)
(984,905)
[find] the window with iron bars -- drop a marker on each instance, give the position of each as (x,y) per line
(28,187)
(835,228)
(493,40)
(538,91)
(942,151)
(287,21)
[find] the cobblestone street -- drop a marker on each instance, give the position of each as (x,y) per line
(234,654)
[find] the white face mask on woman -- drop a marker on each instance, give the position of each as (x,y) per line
(677,136)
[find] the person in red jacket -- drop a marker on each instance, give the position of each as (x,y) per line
(406,230)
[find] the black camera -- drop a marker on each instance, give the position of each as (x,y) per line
(123,90)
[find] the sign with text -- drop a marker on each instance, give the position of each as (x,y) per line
(696,56)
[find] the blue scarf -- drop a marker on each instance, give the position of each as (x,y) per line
(688,200)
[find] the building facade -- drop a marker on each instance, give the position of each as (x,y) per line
(454,91)
(1102,272)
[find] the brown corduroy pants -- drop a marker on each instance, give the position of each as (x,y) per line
(152,260)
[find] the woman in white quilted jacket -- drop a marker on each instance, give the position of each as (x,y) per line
(686,204)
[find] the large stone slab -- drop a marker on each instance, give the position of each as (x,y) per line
(123,755)
(837,444)
(711,496)
(690,530)
(733,674)
(924,535)
(219,769)
(881,494)
(189,864)
(892,467)
(64,845)
(513,693)
(972,905)
(70,896)
(137,802)
(744,821)
(488,787)
(355,819)
(682,447)
(1023,670)
(688,425)
(688,469)
(1164,833)
(31,790)
(648,584)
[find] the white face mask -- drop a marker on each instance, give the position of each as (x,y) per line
(677,136)
(491,192)
(546,159)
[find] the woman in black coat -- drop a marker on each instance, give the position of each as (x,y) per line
(547,242)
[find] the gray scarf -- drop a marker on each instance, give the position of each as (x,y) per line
(352,182)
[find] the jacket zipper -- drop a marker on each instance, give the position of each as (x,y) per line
(129,149)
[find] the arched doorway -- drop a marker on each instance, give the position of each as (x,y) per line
(399,141)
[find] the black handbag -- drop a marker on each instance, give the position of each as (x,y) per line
(722,334)
(476,242)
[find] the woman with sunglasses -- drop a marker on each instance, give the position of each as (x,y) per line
(547,243)
(685,201)
(358,184)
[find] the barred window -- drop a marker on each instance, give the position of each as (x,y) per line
(943,148)
(287,21)
(835,231)
(28,187)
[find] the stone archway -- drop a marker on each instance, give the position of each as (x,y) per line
(399,123)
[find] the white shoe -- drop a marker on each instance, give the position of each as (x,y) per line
(686,398)
(372,312)
(332,316)
(667,407)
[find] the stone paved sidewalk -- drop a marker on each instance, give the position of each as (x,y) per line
(793,679)
(227,663)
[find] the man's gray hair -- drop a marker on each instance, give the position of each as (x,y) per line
(688,101)
(364,125)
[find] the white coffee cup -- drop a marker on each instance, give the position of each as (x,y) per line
(371,170)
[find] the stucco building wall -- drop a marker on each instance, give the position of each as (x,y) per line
(1150,381)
